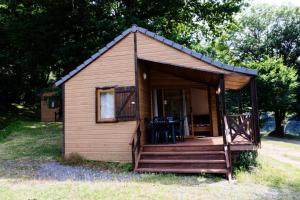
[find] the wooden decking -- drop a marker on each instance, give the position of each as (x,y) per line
(194,155)
(210,141)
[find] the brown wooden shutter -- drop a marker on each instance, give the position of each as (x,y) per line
(125,103)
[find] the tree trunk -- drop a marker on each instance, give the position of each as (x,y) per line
(279,129)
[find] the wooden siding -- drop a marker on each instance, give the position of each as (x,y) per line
(152,50)
(99,141)
(214,111)
(47,114)
(161,79)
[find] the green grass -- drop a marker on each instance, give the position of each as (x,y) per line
(29,140)
(291,137)
(11,115)
(282,143)
(32,140)
(272,173)
(292,157)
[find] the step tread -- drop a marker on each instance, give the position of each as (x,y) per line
(196,170)
(183,145)
(181,161)
(181,153)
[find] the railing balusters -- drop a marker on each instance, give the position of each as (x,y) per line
(240,125)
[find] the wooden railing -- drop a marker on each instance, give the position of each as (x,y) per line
(135,143)
(239,127)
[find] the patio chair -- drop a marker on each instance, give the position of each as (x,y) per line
(159,130)
(179,130)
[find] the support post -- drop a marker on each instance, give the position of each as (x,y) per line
(63,149)
(254,111)
(136,78)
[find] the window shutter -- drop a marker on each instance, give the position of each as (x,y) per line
(125,103)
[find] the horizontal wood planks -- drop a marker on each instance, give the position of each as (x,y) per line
(150,49)
(161,79)
(214,111)
(99,141)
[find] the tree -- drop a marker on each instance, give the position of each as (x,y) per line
(44,39)
(257,34)
(266,31)
(276,86)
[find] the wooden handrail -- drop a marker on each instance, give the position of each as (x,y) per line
(134,132)
(135,143)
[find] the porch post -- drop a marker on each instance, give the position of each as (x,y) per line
(136,69)
(254,111)
(222,105)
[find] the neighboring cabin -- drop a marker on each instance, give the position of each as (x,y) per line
(110,99)
(50,107)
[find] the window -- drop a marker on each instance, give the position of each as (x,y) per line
(105,105)
(115,104)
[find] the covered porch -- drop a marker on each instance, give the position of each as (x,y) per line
(196,97)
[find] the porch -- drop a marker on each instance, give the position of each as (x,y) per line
(197,98)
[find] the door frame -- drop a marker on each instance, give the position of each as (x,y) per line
(188,99)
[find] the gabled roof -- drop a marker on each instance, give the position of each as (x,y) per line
(175,45)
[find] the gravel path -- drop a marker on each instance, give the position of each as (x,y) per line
(52,170)
(32,172)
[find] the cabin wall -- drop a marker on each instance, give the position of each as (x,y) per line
(153,50)
(99,141)
(214,111)
(200,102)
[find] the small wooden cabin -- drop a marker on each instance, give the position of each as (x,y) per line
(50,107)
(110,98)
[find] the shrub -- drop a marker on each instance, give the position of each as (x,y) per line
(75,159)
(245,161)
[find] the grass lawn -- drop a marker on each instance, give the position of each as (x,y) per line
(289,143)
(30,141)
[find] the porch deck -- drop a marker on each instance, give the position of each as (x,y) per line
(239,141)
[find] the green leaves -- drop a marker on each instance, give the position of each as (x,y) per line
(42,38)
(277,84)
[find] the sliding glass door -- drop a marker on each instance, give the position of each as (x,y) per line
(171,103)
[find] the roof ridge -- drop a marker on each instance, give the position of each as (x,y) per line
(136,28)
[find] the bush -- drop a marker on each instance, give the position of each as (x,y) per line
(75,159)
(245,161)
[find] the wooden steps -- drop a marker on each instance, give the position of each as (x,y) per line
(182,158)
(184,171)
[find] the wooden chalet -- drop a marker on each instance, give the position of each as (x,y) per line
(109,99)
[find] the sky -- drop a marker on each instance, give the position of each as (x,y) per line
(277,2)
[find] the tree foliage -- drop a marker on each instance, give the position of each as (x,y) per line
(277,84)
(44,39)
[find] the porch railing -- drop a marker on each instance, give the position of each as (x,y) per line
(239,127)
(135,143)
